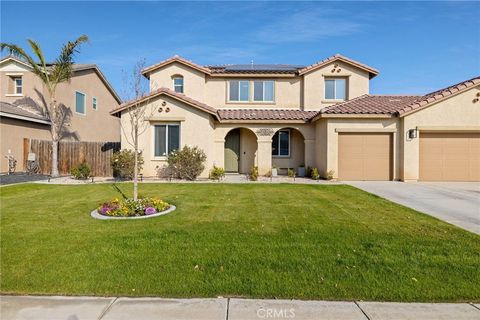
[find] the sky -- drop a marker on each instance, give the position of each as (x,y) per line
(418,47)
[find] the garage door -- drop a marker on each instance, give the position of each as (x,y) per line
(449,156)
(365,156)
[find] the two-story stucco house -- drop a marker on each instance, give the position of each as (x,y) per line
(320,115)
(88,94)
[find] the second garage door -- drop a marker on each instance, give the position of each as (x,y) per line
(365,156)
(450,156)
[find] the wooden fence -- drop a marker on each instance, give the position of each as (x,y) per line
(71,153)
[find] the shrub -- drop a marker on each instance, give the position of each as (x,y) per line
(82,171)
(291,173)
(217,173)
(123,164)
(131,208)
(315,175)
(308,172)
(187,163)
(268,174)
(329,174)
(253,173)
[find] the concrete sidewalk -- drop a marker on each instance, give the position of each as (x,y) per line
(93,308)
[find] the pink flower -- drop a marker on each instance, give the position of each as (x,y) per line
(150,210)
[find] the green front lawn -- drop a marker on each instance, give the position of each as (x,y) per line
(249,240)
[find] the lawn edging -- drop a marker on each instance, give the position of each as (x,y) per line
(99,216)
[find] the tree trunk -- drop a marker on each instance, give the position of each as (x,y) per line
(54,172)
(135,172)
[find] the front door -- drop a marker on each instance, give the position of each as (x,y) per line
(232,150)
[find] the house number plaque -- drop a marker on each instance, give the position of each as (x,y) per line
(265,132)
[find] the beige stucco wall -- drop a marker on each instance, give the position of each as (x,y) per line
(95,125)
(306,91)
(12,132)
(314,84)
(287,93)
(196,129)
(455,113)
(193,80)
(328,150)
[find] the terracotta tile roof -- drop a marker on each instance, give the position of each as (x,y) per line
(266,114)
(371,104)
(178,59)
(373,72)
(172,94)
(438,95)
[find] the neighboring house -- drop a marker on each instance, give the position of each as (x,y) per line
(88,95)
(321,115)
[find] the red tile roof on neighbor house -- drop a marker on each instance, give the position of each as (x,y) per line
(266,114)
(438,95)
(371,104)
(170,93)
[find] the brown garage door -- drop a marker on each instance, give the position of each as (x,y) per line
(450,156)
(365,156)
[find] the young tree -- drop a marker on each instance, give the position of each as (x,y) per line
(134,122)
(51,76)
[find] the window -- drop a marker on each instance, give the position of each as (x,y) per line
(281,143)
(94,103)
(178,84)
(18,85)
(166,139)
(263,90)
(239,90)
(79,102)
(335,89)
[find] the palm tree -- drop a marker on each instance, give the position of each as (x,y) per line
(51,75)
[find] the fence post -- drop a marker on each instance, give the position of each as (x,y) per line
(26,150)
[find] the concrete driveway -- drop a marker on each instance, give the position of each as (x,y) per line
(457,203)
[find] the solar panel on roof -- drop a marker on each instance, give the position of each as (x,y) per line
(262,67)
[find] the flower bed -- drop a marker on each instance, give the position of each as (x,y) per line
(132,208)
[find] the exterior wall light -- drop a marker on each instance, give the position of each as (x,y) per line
(412,133)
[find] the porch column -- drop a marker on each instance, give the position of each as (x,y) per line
(219,153)
(264,156)
(309,153)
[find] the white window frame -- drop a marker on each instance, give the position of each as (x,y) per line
(278,147)
(15,86)
(263,88)
(183,83)
(335,88)
(94,103)
(85,102)
(239,86)
(154,157)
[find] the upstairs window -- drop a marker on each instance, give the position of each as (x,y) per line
(166,139)
(94,103)
(281,143)
(79,102)
(17,85)
(239,90)
(335,89)
(263,91)
(178,84)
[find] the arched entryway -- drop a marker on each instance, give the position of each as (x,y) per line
(240,150)
(288,150)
